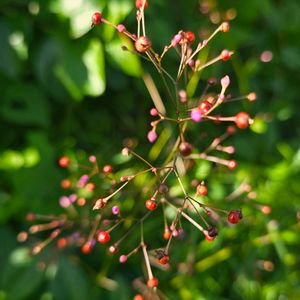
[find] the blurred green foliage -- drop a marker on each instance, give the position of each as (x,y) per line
(68,89)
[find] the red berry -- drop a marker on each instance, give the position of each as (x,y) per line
(201,189)
(107,169)
(151,204)
(86,248)
(190,36)
(225,54)
(66,184)
(61,243)
(225,27)
(139,4)
(242,120)
(138,297)
(209,238)
(235,216)
(185,148)
(96,18)
(142,44)
(164,259)
(153,282)
(103,237)
(64,161)
(204,107)
(167,234)
(232,164)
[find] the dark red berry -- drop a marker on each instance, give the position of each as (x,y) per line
(190,36)
(162,257)
(185,148)
(96,18)
(235,216)
(212,232)
(64,161)
(103,237)
(153,282)
(242,120)
(151,204)
(204,107)
(212,81)
(163,188)
(142,44)
(139,4)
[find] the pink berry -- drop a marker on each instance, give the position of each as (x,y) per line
(123,259)
(176,39)
(152,136)
(121,28)
(196,115)
(115,210)
(225,81)
(153,112)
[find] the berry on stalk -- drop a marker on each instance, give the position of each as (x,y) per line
(139,4)
(142,44)
(235,216)
(103,237)
(190,36)
(242,120)
(204,107)
(64,161)
(96,18)
(152,282)
(201,189)
(185,148)
(151,204)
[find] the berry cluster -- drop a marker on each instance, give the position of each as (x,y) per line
(74,228)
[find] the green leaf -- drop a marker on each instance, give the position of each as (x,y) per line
(25,104)
(70,282)
(93,58)
(79,12)
(128,62)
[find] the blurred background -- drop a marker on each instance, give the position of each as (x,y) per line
(67,89)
